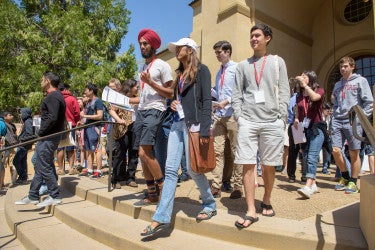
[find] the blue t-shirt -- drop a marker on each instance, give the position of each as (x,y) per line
(3,127)
(92,108)
(292,103)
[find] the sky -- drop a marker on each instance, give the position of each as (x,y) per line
(171,19)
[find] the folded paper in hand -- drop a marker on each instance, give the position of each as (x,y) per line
(298,134)
(116,98)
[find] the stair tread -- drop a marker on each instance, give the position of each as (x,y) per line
(36,228)
(125,227)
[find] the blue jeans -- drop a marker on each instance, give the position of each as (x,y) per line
(326,158)
(184,170)
(20,162)
(161,142)
(45,169)
(311,154)
(178,140)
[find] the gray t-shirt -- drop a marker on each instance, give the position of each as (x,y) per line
(274,87)
(161,73)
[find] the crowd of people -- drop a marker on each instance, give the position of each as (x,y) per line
(254,113)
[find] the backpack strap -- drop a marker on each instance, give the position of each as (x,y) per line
(276,86)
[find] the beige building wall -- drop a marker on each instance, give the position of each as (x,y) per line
(308,34)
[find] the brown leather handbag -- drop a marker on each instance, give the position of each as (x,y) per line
(202,156)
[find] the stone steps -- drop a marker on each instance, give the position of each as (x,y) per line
(37,228)
(109,218)
(8,239)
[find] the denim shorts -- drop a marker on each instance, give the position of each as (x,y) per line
(267,138)
(91,138)
(146,126)
(369,150)
(341,131)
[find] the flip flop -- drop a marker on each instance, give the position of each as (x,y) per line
(206,212)
(267,207)
(245,218)
(151,231)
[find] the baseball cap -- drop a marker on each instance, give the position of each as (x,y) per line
(183,42)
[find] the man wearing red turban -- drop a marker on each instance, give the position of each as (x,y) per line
(151,37)
(156,85)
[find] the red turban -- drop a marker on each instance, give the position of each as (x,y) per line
(151,37)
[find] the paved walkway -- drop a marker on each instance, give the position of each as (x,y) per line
(286,201)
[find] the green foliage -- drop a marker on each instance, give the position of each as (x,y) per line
(77,39)
(34,100)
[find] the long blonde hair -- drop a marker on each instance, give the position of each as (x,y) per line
(192,68)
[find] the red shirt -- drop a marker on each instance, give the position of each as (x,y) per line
(310,109)
(72,112)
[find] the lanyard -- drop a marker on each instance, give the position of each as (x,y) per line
(222,75)
(305,104)
(343,90)
(258,78)
(181,83)
(148,68)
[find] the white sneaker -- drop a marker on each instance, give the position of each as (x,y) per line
(25,200)
(305,192)
(49,201)
(314,188)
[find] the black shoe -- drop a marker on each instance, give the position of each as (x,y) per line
(226,186)
(183,177)
(292,180)
(20,182)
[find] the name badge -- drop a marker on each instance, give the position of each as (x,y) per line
(259,96)
(306,122)
(180,111)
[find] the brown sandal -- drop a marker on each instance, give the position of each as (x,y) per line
(267,207)
(60,172)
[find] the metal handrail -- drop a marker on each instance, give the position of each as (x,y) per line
(110,143)
(357,112)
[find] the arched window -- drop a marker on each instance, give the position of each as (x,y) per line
(357,10)
(366,67)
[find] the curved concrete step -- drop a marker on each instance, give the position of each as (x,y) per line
(111,219)
(102,225)
(8,239)
(36,228)
(271,233)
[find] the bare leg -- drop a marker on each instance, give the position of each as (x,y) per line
(269,179)
(90,160)
(355,161)
(285,157)
(60,161)
(98,154)
(148,159)
(249,187)
(339,159)
(371,163)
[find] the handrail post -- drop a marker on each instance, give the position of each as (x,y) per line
(110,154)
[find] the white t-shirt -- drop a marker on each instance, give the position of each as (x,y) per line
(161,73)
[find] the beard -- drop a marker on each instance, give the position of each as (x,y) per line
(149,54)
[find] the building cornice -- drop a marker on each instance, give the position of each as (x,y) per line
(234,9)
(283,27)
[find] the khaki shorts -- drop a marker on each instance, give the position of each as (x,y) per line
(268,138)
